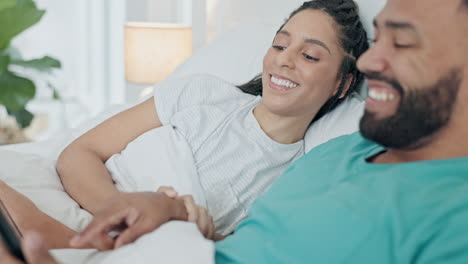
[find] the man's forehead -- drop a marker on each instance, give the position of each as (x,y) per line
(418,11)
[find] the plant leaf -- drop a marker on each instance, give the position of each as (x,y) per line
(4,61)
(44,64)
(56,94)
(7,4)
(22,116)
(13,52)
(16,19)
(15,91)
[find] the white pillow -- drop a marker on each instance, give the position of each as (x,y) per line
(235,56)
(342,120)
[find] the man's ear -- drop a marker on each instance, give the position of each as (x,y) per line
(346,87)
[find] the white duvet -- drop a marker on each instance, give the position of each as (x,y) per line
(30,169)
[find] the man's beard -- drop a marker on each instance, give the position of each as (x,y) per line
(421,113)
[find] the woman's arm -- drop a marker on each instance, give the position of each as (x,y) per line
(81,164)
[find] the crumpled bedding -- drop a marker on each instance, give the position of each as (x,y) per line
(30,169)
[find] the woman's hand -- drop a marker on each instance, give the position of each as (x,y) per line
(196,214)
(33,250)
(126,217)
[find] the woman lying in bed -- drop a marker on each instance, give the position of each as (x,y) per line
(242,138)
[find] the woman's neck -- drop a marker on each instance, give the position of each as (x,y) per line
(284,130)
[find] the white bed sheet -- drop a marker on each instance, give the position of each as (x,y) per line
(35,176)
(175,242)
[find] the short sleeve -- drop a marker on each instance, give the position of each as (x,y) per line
(174,95)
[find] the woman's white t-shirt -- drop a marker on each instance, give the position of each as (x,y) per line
(236,161)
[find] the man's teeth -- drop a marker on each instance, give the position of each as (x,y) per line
(381,96)
(282,82)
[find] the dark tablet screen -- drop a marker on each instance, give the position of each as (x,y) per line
(10,233)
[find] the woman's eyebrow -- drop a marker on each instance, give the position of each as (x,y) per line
(317,42)
(308,40)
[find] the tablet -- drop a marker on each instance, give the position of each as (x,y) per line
(10,233)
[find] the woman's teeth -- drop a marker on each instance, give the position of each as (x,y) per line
(381,96)
(282,82)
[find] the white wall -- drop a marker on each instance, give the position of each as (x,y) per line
(87,37)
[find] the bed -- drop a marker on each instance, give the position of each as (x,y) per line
(30,167)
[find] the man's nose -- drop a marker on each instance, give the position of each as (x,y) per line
(373,60)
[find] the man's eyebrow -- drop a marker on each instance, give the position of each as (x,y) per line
(396,25)
(308,40)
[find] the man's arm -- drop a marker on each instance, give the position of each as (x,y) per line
(130,215)
(448,242)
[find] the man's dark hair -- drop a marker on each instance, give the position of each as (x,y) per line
(353,40)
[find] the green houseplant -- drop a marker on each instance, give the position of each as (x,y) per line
(16,90)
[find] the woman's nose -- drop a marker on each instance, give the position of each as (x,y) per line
(286,58)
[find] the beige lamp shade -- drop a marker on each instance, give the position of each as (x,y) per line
(154,50)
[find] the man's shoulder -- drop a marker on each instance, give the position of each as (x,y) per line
(341,152)
(343,144)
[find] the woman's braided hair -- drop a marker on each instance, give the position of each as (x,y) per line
(353,40)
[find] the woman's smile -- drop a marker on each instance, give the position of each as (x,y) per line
(280,83)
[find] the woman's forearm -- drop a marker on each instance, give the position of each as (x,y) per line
(85,177)
(81,164)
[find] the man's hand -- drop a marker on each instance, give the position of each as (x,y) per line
(126,217)
(33,249)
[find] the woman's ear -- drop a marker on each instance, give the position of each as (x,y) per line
(349,79)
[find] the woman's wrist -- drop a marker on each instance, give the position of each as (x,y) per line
(175,208)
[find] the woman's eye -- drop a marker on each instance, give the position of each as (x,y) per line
(277,47)
(311,58)
(402,46)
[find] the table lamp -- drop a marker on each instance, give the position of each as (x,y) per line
(154,50)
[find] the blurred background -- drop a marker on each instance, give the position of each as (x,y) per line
(87,38)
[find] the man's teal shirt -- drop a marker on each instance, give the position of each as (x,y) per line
(332,206)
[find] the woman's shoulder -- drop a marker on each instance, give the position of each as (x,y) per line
(201,80)
(190,93)
(205,89)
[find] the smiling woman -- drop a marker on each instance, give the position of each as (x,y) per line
(238,144)
(301,69)
(242,142)
(340,18)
